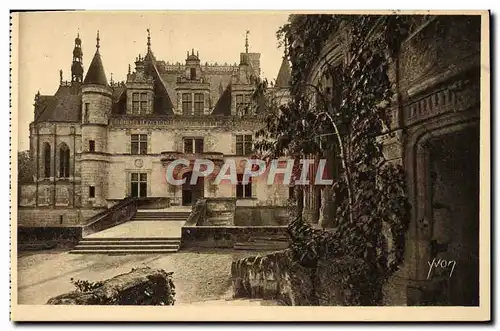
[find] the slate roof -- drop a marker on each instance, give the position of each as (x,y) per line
(223,106)
(64,106)
(284,75)
(96,74)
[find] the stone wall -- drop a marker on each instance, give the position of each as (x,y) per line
(153,203)
(61,193)
(260,216)
(278,276)
(143,286)
(227,236)
(53,217)
(47,235)
(272,276)
(221,210)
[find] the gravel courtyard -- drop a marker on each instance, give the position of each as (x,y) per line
(200,275)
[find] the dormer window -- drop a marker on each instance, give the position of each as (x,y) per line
(139,103)
(135,103)
(199,104)
(243,104)
(187,104)
(192,73)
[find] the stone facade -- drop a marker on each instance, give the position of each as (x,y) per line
(117,134)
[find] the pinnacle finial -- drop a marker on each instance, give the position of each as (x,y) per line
(98,39)
(192,51)
(149,40)
(197,54)
(129,68)
(60,76)
(246,40)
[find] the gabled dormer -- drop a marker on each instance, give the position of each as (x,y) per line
(193,89)
(140,90)
(242,83)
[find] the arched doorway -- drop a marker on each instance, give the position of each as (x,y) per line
(191,193)
(446,215)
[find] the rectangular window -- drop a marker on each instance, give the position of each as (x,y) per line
(198,145)
(193,145)
(243,104)
(187,104)
(188,146)
(91,191)
(144,103)
(244,144)
(192,72)
(86,112)
(199,104)
(135,103)
(139,144)
(138,184)
(243,190)
(91,145)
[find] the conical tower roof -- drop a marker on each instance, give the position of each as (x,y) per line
(96,74)
(284,74)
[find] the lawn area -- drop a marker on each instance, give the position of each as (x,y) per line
(199,275)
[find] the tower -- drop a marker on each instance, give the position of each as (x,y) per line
(96,103)
(77,66)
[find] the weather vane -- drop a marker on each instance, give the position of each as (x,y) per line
(246,40)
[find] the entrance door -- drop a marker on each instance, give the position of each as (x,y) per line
(191,193)
(454,173)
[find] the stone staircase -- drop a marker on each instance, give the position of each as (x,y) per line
(149,245)
(273,243)
(143,238)
(177,216)
(219,219)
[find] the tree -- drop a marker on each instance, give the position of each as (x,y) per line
(346,120)
(25,167)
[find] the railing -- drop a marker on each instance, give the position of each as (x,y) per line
(198,213)
(119,213)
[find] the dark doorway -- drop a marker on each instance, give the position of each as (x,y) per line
(191,193)
(454,173)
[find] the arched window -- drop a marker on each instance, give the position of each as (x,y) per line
(63,161)
(46,159)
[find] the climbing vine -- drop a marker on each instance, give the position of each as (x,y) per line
(372,209)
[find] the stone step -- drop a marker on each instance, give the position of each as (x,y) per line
(217,222)
(178,220)
(219,218)
(260,246)
(269,239)
(162,214)
(131,239)
(124,251)
(129,242)
(126,246)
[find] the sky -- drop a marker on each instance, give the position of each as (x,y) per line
(46,41)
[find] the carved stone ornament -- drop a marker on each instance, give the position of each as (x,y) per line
(139,163)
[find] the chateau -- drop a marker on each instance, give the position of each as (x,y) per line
(96,142)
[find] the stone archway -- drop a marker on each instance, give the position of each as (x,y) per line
(444,190)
